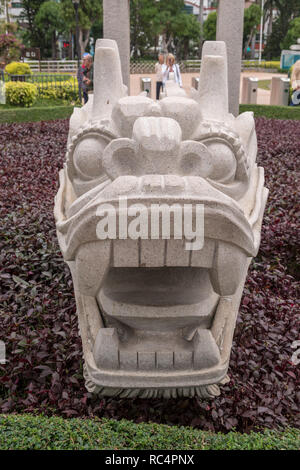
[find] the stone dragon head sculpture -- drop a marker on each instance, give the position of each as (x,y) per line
(157,319)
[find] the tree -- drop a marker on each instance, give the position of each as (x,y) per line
(252,18)
(292,35)
(32,35)
(268,14)
(143,28)
(50,20)
(10,48)
(287,11)
(165,18)
(210,27)
(89,14)
(186,32)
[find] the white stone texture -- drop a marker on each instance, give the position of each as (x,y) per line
(116,26)
(230,24)
(157,320)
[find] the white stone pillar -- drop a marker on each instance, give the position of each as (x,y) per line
(116,25)
(230,26)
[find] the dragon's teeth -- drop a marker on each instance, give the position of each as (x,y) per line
(226,273)
(204,258)
(152,253)
(176,254)
(126,253)
(92,261)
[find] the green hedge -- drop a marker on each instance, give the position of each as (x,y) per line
(274,112)
(24,432)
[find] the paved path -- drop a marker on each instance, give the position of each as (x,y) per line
(262,98)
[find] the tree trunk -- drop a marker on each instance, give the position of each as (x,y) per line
(200,19)
(70,51)
(186,48)
(7,11)
(54,45)
(165,43)
(84,36)
(270,24)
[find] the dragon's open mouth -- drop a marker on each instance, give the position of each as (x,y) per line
(156,299)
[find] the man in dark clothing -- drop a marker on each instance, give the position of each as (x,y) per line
(88,76)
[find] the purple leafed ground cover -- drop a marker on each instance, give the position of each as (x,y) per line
(37,307)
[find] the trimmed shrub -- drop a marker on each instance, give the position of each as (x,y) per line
(18,68)
(21,93)
(271,64)
(66,90)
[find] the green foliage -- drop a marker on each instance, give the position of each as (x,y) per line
(187,31)
(32,35)
(210,27)
(89,15)
(264,84)
(18,68)
(149,20)
(21,93)
(252,18)
(49,18)
(66,91)
(265,64)
(24,432)
(43,110)
(292,35)
(7,27)
(287,11)
(272,112)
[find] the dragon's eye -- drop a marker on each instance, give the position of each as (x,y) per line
(223,161)
(88,156)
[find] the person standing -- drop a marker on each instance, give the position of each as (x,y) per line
(80,78)
(88,76)
(159,70)
(172,71)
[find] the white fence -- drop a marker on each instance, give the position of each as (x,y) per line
(70,66)
(53,66)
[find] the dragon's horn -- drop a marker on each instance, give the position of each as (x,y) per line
(108,83)
(213,83)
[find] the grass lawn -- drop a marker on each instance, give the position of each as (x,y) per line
(272,112)
(48,110)
(22,432)
(264,84)
(43,110)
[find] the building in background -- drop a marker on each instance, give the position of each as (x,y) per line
(192,7)
(10,11)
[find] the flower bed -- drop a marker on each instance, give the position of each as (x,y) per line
(38,317)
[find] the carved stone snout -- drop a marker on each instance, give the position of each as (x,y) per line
(156,148)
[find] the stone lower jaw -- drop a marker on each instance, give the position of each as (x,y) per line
(122,371)
(174,343)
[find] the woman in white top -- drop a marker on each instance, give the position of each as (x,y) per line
(172,71)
